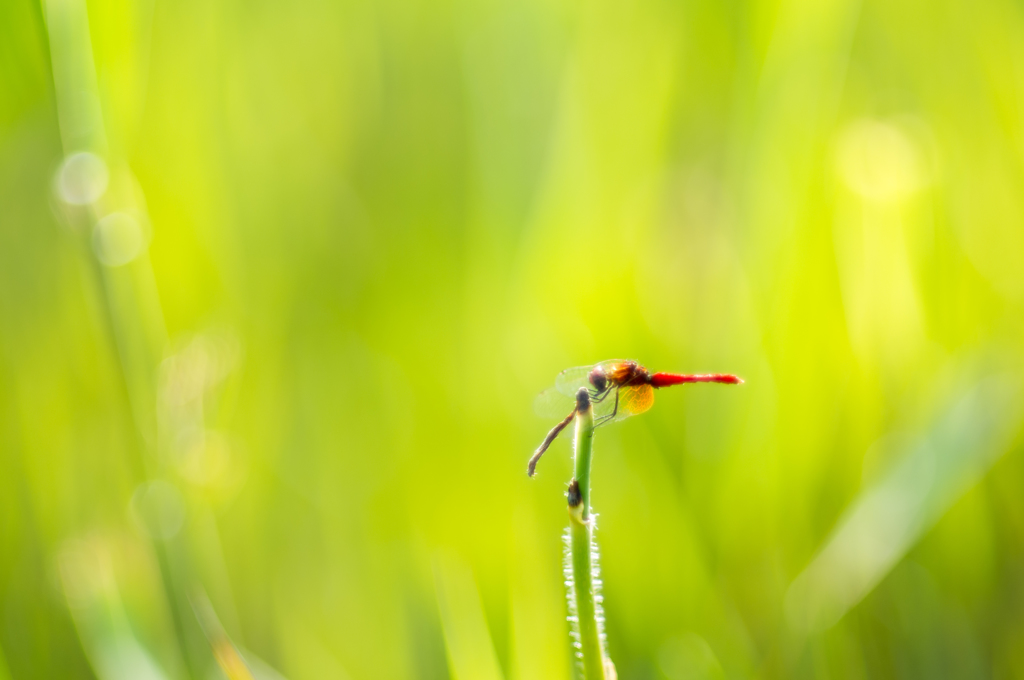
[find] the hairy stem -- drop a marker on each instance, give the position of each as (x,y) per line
(584,597)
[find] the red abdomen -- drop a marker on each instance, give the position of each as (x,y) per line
(667,379)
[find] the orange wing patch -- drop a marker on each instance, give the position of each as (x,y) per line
(635,399)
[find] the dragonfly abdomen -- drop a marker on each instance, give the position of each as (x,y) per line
(668,379)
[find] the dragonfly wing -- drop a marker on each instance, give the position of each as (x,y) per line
(551,403)
(633,401)
(610,363)
(571,380)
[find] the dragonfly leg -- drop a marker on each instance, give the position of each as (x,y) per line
(611,416)
(597,397)
(532,467)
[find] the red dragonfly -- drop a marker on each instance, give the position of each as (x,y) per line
(619,388)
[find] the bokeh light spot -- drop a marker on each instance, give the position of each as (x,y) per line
(878,161)
(82,178)
(117,239)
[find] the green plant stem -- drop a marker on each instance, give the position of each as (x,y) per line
(588,616)
(129,294)
(584,453)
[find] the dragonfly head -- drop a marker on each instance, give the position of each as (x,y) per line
(598,380)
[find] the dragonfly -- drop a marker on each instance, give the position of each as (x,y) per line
(619,388)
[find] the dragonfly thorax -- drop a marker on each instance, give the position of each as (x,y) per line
(621,374)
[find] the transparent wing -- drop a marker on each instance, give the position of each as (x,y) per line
(571,380)
(635,400)
(551,403)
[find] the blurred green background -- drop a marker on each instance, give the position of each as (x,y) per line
(279,281)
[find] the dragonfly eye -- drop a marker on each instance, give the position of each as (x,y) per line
(598,380)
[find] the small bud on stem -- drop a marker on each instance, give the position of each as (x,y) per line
(582,400)
(573,494)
